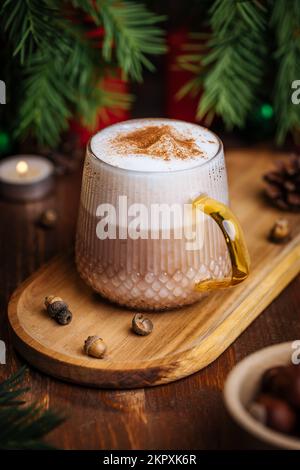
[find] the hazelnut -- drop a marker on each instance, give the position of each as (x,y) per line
(141,325)
(48,218)
(283,382)
(274,380)
(64,317)
(280,232)
(94,346)
(275,413)
(54,305)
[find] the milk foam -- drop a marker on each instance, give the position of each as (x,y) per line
(104,148)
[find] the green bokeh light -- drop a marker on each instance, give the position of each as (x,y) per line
(266,111)
(4,142)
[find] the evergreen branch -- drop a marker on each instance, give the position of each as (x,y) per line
(286,21)
(28,24)
(44,108)
(231,68)
(55,85)
(61,70)
(9,384)
(22,427)
(99,100)
(131,33)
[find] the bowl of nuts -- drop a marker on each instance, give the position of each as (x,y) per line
(262,394)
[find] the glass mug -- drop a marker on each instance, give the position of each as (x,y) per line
(149,273)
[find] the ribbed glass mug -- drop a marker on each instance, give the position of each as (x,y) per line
(150,273)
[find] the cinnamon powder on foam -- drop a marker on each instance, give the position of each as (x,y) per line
(157,142)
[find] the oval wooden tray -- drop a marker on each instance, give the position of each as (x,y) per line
(183,341)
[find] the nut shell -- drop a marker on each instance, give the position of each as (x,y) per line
(64,317)
(280,232)
(283,382)
(48,218)
(141,325)
(94,346)
(278,414)
(56,307)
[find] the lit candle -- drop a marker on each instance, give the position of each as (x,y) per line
(26,177)
(22,168)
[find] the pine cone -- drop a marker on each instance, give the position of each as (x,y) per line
(283,184)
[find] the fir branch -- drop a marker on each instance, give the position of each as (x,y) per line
(45,105)
(61,70)
(99,99)
(286,22)
(231,67)
(54,85)
(131,32)
(29,24)
(22,427)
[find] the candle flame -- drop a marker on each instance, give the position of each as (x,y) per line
(22,167)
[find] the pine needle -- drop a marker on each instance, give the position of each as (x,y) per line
(61,70)
(230,64)
(286,22)
(130,34)
(23,426)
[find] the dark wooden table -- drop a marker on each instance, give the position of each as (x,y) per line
(188,414)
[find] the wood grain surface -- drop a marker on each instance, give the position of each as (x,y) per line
(187,414)
(184,340)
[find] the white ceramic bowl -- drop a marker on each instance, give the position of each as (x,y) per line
(242,384)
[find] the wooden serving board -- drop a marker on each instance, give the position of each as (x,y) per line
(183,341)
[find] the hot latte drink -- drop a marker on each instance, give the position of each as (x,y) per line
(132,171)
